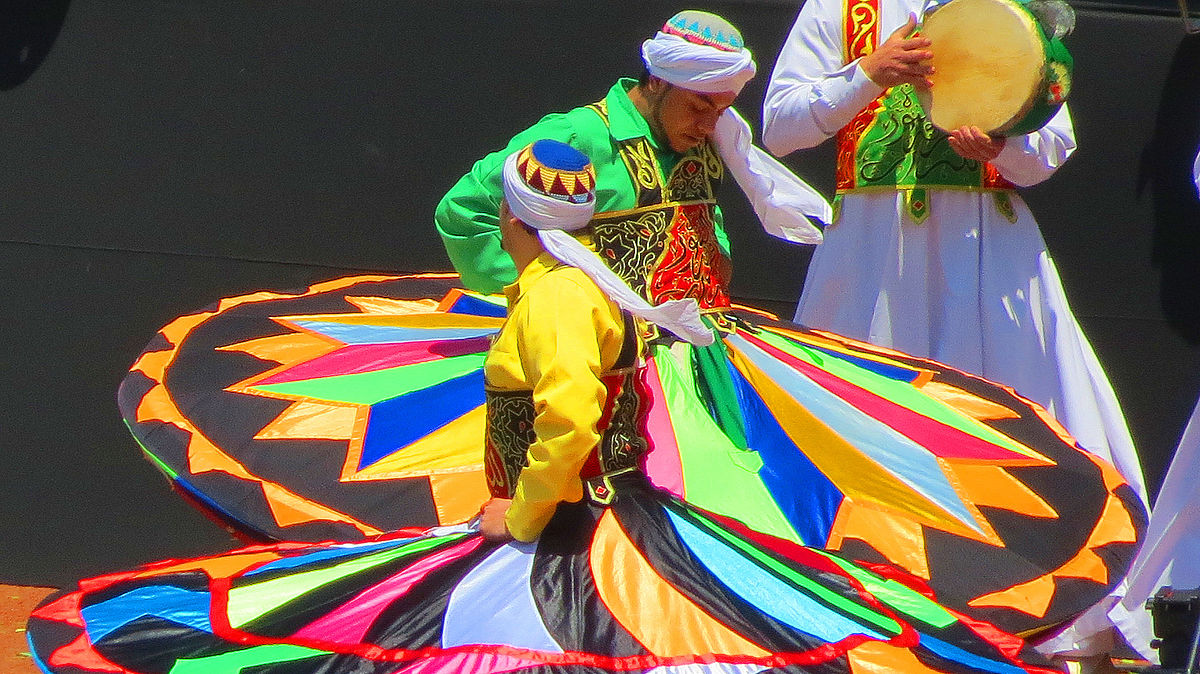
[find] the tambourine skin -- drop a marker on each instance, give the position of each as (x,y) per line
(995,68)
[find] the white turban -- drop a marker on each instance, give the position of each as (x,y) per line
(543,211)
(697,67)
(555,215)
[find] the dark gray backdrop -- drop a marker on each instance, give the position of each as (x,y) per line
(156,155)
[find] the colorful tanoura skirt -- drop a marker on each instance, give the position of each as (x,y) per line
(647,584)
(355,408)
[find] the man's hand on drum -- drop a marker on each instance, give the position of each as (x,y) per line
(900,59)
(970,142)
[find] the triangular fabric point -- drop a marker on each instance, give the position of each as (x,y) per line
(65,609)
(79,653)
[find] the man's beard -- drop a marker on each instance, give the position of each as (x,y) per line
(655,120)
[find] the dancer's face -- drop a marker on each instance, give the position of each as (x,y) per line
(684,118)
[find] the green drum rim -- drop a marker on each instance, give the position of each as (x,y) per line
(1055,87)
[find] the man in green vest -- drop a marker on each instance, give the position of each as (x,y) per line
(657,141)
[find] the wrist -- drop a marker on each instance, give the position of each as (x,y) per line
(860,88)
(867,66)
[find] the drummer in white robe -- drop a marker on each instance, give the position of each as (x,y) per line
(952,265)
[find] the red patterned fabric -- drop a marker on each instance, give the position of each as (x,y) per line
(693,264)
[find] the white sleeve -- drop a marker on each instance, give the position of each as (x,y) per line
(1032,158)
(1196,173)
(811,93)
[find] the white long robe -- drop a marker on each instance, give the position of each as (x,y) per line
(1170,554)
(967,286)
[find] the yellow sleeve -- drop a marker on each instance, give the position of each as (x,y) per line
(569,335)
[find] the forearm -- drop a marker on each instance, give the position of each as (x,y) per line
(565,426)
(483,266)
(551,477)
(467,219)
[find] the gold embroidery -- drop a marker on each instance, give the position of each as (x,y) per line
(639,159)
(633,246)
(862,19)
(600,107)
(712,160)
(696,176)
(1004,205)
(689,181)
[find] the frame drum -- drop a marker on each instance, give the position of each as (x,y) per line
(994,68)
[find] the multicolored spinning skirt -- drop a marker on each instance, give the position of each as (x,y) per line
(356,408)
(649,584)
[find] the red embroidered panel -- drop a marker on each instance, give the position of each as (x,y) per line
(692,264)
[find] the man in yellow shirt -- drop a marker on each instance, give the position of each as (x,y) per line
(562,400)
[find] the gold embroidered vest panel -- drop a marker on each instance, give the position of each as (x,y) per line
(666,247)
